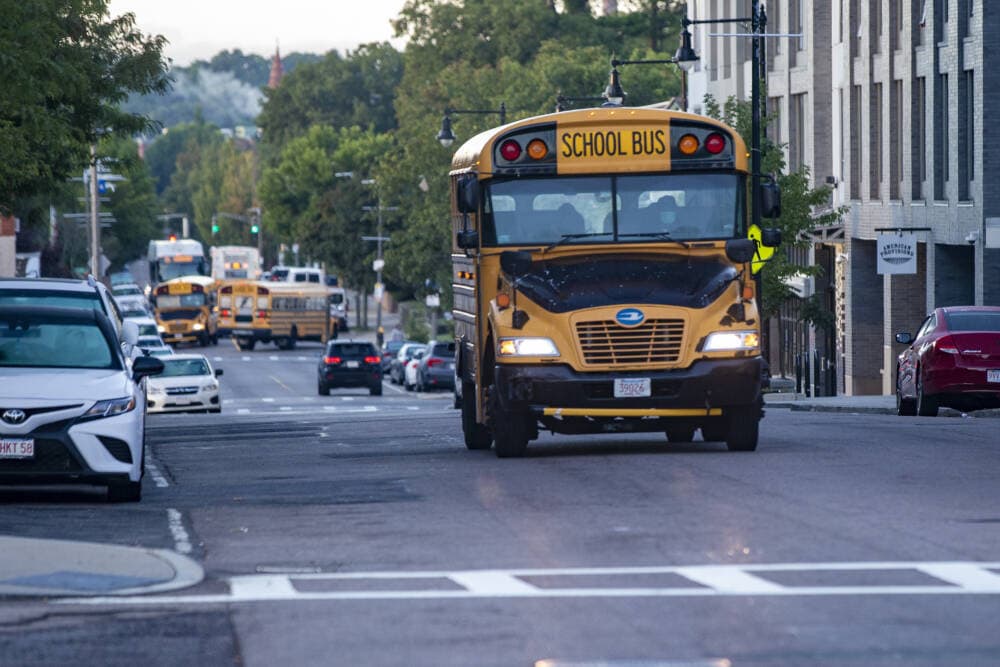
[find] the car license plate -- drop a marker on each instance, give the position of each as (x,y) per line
(17,448)
(352,364)
(632,387)
(242,332)
(178,336)
(451,365)
(993,375)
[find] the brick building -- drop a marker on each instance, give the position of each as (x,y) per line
(885,100)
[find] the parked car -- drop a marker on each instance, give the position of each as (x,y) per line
(436,369)
(952,361)
(73,410)
(350,364)
(390,350)
(127,289)
(187,384)
(410,369)
(153,345)
(397,366)
(61,293)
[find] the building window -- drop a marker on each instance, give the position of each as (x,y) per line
(713,69)
(856,142)
(898,15)
(896,140)
(918,134)
(941,152)
(940,20)
(877,26)
(967,15)
(966,134)
(875,144)
(855,25)
(797,132)
(842,111)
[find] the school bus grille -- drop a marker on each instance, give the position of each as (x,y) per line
(606,342)
(179,327)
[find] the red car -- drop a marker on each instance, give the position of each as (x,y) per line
(954,361)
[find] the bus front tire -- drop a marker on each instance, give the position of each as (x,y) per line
(476,435)
(511,431)
(743,429)
(245,344)
(680,433)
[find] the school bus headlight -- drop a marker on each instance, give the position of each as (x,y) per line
(198,326)
(161,328)
(528,347)
(731,340)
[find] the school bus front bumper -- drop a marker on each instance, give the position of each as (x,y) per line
(704,389)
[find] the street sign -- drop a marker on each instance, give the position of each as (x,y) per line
(764,252)
(378,265)
(432,300)
(379,291)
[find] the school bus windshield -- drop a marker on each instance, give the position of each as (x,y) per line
(647,208)
(196,299)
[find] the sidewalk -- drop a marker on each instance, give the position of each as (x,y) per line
(51,568)
(885,405)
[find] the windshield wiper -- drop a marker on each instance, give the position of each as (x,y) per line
(660,236)
(569,237)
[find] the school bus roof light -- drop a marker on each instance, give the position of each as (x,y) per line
(688,144)
(537,150)
(510,150)
(715,143)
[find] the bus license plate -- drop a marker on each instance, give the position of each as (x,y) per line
(17,448)
(632,387)
(993,375)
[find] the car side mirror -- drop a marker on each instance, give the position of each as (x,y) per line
(218,372)
(515,263)
(740,251)
(130,333)
(770,200)
(468,195)
(467,239)
(146,366)
(904,338)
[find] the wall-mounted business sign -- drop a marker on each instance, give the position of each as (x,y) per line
(897,253)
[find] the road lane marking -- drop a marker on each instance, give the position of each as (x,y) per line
(966,578)
(154,472)
(285,408)
(267,400)
(273,357)
(243,411)
(175,521)
(280,383)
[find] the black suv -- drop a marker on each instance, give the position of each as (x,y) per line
(350,364)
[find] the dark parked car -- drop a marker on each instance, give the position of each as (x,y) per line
(397,367)
(350,364)
(953,361)
(436,369)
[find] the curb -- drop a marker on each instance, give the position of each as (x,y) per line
(873,410)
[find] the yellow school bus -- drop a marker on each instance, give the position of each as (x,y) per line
(282,313)
(603,279)
(185,310)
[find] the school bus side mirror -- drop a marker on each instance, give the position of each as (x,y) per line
(740,251)
(468,195)
(770,237)
(770,200)
(515,263)
(467,240)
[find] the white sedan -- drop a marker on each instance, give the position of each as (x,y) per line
(410,370)
(187,384)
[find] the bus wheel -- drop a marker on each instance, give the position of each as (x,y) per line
(215,339)
(476,435)
(680,433)
(510,430)
(246,344)
(289,343)
(713,433)
(203,340)
(744,426)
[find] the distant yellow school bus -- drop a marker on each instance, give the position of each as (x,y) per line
(185,310)
(282,313)
(603,279)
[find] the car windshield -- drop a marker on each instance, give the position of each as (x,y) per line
(444,350)
(180,300)
(148,330)
(59,299)
(178,367)
(150,341)
(135,313)
(973,321)
(643,208)
(178,314)
(48,344)
(122,291)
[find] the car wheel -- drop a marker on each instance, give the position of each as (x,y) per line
(743,429)
(456,401)
(376,390)
(477,436)
(680,433)
(927,404)
(407,386)
(324,389)
(129,492)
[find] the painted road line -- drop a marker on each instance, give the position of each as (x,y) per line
(286,408)
(245,359)
(969,578)
(216,358)
(175,521)
(267,400)
(391,386)
(280,383)
(154,472)
(274,357)
(243,411)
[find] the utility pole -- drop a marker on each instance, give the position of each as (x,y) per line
(379,263)
(95,222)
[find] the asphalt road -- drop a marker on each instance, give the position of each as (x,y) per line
(357,530)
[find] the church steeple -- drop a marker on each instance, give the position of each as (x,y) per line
(276,70)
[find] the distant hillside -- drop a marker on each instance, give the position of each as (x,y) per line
(225,91)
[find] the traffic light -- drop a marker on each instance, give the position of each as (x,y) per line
(215,228)
(254,228)
(172,237)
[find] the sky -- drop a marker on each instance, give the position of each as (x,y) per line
(198,29)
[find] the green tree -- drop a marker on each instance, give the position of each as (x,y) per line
(67,66)
(133,204)
(803,207)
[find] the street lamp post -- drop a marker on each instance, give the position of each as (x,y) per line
(379,263)
(447,137)
(614,90)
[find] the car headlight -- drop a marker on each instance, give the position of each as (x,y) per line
(528,347)
(198,326)
(110,408)
(161,328)
(720,341)
(211,386)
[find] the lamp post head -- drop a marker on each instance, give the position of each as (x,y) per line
(686,57)
(614,94)
(446,136)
